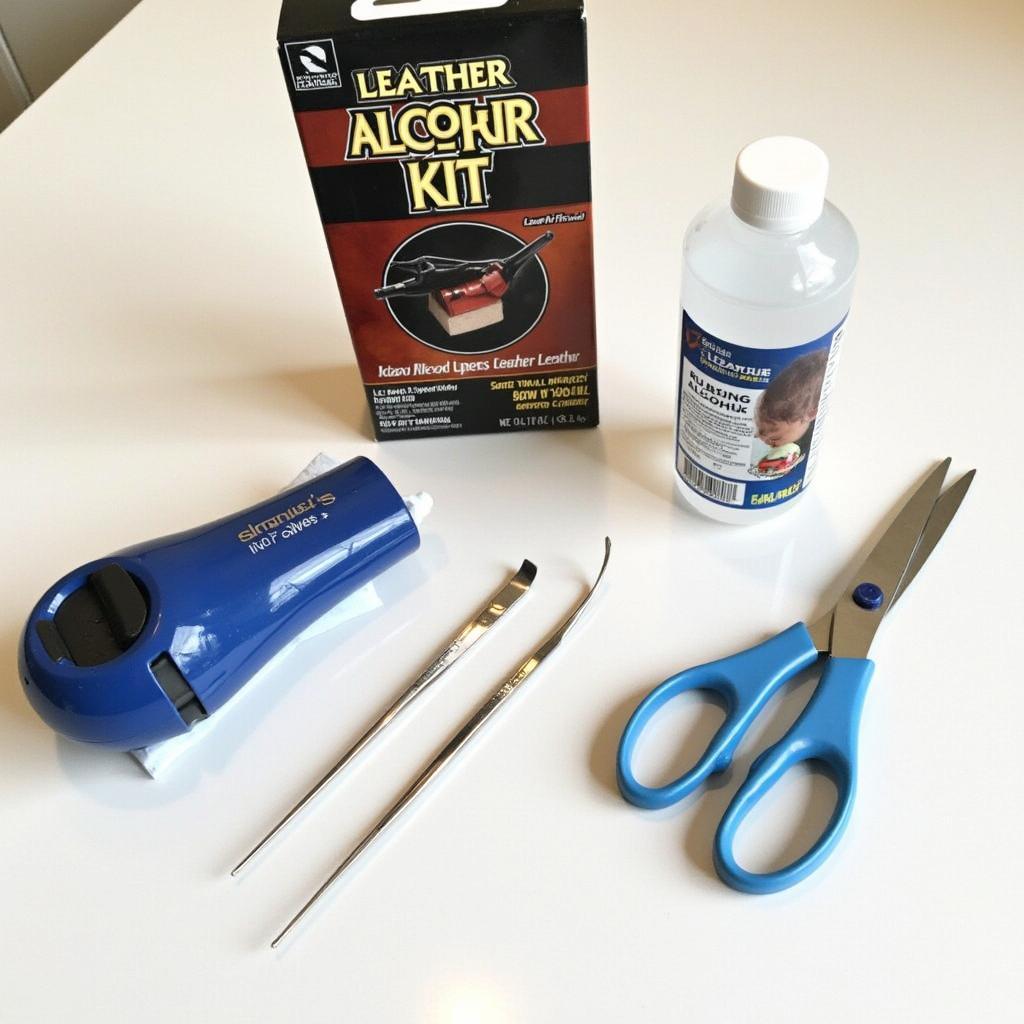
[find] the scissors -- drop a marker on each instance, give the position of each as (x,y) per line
(826,731)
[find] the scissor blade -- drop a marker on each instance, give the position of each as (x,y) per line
(942,515)
(854,627)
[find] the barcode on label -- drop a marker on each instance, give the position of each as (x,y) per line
(712,486)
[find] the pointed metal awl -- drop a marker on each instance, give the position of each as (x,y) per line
(487,616)
(454,745)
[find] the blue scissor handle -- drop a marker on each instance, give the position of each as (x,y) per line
(826,732)
(745,681)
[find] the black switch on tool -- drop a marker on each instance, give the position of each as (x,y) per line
(98,621)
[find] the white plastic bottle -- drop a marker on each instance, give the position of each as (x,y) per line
(766,291)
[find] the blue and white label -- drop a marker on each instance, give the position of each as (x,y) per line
(751,419)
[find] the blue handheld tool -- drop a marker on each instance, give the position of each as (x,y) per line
(136,647)
(826,731)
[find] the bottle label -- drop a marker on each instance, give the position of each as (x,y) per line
(751,419)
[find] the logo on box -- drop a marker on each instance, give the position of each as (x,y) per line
(313,64)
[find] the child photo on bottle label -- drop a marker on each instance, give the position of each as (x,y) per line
(750,419)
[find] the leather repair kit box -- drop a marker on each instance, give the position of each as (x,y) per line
(450,158)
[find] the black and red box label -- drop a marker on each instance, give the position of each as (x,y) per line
(450,159)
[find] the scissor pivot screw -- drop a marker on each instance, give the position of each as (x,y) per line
(868,596)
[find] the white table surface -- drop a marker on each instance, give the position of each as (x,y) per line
(174,348)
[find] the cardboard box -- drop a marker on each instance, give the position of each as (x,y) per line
(450,158)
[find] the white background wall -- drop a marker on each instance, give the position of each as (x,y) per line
(47,37)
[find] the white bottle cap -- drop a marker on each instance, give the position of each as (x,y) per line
(779,183)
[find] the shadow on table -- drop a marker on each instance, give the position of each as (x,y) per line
(642,455)
(242,372)
(336,391)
